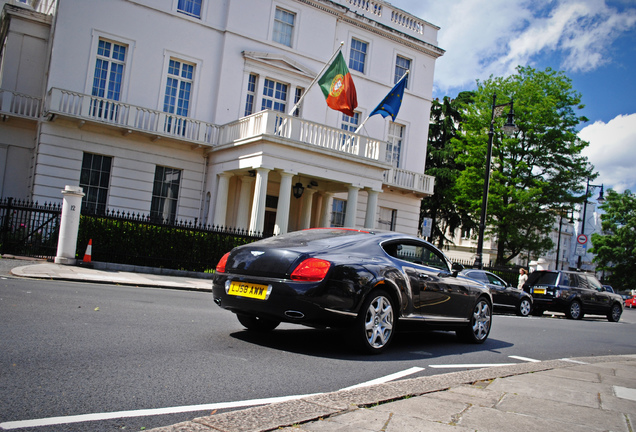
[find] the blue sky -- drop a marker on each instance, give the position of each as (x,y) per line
(592,41)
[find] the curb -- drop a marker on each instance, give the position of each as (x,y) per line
(284,414)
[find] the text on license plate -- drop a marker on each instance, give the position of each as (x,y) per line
(256,291)
(539,291)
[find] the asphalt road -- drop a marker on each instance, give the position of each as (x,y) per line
(69,349)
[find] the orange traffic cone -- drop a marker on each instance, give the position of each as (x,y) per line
(89,249)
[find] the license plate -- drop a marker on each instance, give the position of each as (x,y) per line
(539,291)
(255,291)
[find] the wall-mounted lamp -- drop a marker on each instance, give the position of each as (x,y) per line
(298,190)
(252,173)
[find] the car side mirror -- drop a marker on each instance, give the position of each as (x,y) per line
(456,268)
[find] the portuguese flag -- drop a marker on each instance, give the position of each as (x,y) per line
(337,86)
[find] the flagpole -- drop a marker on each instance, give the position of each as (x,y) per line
(365,120)
(291,112)
(316,79)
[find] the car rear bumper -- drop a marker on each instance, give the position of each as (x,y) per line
(298,303)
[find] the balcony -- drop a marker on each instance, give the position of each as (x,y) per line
(157,124)
(14,104)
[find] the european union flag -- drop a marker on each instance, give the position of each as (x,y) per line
(391,103)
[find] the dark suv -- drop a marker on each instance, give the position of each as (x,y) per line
(575,294)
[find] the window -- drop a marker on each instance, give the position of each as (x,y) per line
(165,192)
(402,64)
(190,7)
(394,144)
(178,93)
(283,26)
(274,96)
(297,95)
(357,55)
(94,180)
(338,211)
(387,219)
(418,254)
(251,94)
(107,80)
(350,123)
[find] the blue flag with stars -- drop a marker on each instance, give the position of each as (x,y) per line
(391,103)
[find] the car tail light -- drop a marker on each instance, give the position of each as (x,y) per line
(311,270)
(220,267)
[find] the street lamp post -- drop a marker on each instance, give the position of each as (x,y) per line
(600,199)
(508,128)
(558,251)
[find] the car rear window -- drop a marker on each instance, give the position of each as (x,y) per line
(543,278)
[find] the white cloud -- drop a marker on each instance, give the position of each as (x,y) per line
(492,37)
(611,151)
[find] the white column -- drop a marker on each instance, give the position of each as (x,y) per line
(325,211)
(284,199)
(220,209)
(69,225)
(372,208)
(242,218)
(257,220)
(352,207)
(308,198)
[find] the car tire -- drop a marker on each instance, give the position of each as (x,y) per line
(375,326)
(257,324)
(478,329)
(615,313)
(574,310)
(524,307)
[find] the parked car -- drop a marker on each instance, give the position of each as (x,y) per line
(630,302)
(363,281)
(575,294)
(504,296)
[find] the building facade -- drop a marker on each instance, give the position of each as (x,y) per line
(183,109)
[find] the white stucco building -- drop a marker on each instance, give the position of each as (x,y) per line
(180,109)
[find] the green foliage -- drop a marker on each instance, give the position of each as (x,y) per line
(442,164)
(615,248)
(151,245)
(538,168)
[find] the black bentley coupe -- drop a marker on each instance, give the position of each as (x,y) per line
(365,281)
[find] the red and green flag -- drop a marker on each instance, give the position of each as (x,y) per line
(337,86)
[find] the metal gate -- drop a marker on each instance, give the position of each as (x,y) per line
(29,229)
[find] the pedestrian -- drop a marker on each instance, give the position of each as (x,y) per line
(523,277)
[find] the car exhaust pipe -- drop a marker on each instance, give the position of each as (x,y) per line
(294,314)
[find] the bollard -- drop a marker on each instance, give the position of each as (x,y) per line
(69,226)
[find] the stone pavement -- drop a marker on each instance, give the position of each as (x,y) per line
(582,394)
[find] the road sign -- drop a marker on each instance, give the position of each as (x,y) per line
(581,239)
(426,227)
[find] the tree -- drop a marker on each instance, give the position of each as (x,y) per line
(441,163)
(615,248)
(538,168)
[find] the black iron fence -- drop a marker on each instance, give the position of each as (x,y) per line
(30,229)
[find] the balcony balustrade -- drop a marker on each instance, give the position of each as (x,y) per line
(19,105)
(265,123)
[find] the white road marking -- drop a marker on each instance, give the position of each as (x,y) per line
(181,409)
(386,378)
(141,413)
(526,359)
